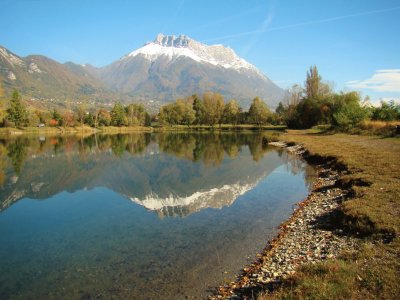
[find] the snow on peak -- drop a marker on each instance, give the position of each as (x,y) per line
(204,198)
(173,47)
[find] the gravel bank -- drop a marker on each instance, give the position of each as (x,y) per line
(309,236)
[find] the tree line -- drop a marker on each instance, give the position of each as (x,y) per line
(120,115)
(212,110)
(315,103)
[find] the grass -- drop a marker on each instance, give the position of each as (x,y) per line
(373,213)
(379,128)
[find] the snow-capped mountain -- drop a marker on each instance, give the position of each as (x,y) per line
(171,67)
(175,205)
(182,46)
(168,68)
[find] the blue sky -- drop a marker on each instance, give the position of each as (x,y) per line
(355,44)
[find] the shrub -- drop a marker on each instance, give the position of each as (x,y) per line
(349,116)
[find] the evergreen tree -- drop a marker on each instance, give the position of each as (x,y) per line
(118,117)
(17,112)
(280,109)
(90,119)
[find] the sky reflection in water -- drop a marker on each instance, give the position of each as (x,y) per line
(141,215)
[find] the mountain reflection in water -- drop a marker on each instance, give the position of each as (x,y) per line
(39,167)
(138,216)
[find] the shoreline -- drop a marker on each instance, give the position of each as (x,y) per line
(308,236)
(60,130)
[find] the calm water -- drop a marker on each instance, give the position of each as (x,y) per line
(161,216)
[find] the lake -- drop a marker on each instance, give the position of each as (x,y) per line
(139,216)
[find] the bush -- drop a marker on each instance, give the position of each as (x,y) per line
(349,116)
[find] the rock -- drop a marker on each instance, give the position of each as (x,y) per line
(300,240)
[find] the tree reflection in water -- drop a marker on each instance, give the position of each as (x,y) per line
(76,162)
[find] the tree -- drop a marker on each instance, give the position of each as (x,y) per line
(388,111)
(2,107)
(295,94)
(104,117)
(68,118)
(57,117)
(17,112)
(169,115)
(81,113)
(34,119)
(348,111)
(118,117)
(259,112)
(90,119)
(213,108)
(231,112)
(313,81)
(136,114)
(280,109)
(185,111)
(199,109)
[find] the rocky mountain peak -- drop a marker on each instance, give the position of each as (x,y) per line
(181,41)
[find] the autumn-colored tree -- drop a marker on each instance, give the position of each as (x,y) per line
(169,115)
(68,118)
(53,122)
(231,112)
(259,112)
(186,112)
(198,107)
(81,113)
(104,117)
(213,108)
(57,117)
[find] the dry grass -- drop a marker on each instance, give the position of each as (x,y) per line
(379,127)
(373,213)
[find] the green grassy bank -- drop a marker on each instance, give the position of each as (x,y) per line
(371,168)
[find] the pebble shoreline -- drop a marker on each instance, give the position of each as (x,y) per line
(304,238)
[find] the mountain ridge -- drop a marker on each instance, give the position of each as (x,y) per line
(161,71)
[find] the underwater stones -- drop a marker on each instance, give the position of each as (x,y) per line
(305,238)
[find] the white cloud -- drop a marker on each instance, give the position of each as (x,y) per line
(387,80)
